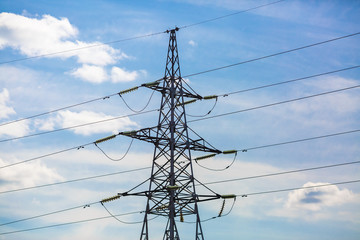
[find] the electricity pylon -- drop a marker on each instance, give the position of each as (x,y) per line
(171,190)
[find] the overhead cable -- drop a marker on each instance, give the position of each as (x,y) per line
(273,55)
(69,223)
(243,150)
(240,91)
(81,48)
(238,195)
(297,188)
(76,180)
(138,37)
(208,183)
(194,120)
(274,104)
(76,126)
(284,172)
(50,213)
(231,14)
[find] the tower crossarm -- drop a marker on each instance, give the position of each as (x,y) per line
(150,135)
(156,86)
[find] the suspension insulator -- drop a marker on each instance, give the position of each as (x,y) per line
(150,84)
(204,157)
(105,139)
(128,90)
(210,97)
(162,207)
(181,216)
(229,152)
(172,188)
(110,199)
(187,102)
(128,133)
(226,196)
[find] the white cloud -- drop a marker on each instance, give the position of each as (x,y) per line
(35,36)
(192,43)
(68,118)
(16,129)
(46,35)
(27,175)
(91,73)
(5,111)
(315,199)
(121,75)
(318,203)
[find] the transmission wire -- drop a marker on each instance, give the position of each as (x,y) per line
(298,188)
(250,89)
(137,37)
(141,110)
(241,195)
(76,180)
(219,169)
(276,103)
(231,14)
(282,173)
(68,223)
(273,55)
(50,213)
(113,159)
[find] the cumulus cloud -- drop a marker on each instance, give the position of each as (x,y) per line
(5,110)
(47,35)
(318,203)
(68,118)
(315,199)
(91,73)
(26,175)
(17,129)
(121,75)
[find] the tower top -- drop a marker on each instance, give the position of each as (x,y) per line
(173,30)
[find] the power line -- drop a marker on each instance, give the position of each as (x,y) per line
(130,213)
(76,126)
(301,140)
(140,36)
(274,104)
(242,150)
(291,81)
(76,180)
(282,173)
(195,120)
(108,96)
(58,109)
(272,55)
(298,188)
(202,72)
(222,181)
(46,155)
(86,47)
(69,223)
(50,213)
(230,15)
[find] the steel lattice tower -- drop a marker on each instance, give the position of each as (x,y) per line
(172,185)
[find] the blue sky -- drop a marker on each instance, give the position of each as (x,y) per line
(28,87)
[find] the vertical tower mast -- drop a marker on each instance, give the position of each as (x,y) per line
(172,173)
(171,191)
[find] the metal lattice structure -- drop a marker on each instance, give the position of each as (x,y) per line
(171,190)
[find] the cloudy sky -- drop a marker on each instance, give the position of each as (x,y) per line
(55,54)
